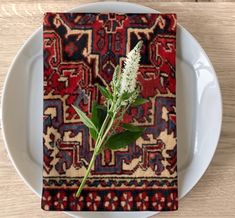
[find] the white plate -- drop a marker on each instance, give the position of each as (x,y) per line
(199,109)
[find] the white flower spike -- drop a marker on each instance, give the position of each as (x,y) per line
(131,66)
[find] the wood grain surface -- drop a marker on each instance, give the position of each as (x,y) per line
(213,25)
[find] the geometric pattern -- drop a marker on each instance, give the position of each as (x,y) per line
(81,49)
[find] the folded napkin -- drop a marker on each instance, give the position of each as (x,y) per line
(81,49)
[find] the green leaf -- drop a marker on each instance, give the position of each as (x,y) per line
(85,119)
(126,95)
(101,107)
(104,92)
(94,112)
(121,140)
(132,128)
(139,101)
(101,115)
(93,133)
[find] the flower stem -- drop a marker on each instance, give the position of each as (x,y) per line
(87,174)
(105,134)
(107,122)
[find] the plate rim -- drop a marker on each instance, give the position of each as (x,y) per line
(120,4)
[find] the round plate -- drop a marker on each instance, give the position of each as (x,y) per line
(199,108)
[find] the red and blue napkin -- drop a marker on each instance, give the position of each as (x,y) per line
(81,49)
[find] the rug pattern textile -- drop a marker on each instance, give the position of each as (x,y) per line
(81,49)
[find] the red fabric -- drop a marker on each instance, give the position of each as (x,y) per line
(81,49)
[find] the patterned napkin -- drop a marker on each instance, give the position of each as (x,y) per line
(81,49)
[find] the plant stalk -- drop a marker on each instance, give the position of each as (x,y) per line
(101,137)
(87,174)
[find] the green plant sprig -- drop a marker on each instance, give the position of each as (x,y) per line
(123,94)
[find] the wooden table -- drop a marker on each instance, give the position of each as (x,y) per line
(213,25)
